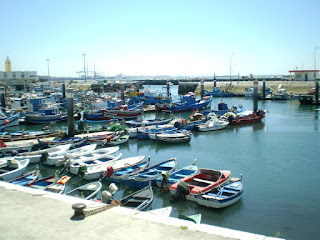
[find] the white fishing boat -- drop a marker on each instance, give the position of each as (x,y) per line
(19,148)
(36,156)
(94,153)
(212,124)
(222,196)
(184,136)
(10,168)
(95,172)
(84,162)
(59,160)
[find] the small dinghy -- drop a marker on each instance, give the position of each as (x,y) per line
(132,169)
(36,156)
(95,172)
(139,200)
(222,197)
(51,183)
(200,183)
(87,191)
(27,178)
(166,179)
(59,160)
(92,161)
(151,173)
(115,141)
(11,168)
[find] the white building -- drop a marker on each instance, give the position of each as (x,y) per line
(17,78)
(305,75)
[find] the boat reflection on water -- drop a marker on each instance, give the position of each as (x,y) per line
(254,126)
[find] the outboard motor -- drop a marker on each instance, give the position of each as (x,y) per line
(182,191)
(177,124)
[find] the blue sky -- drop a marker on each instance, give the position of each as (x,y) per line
(160,37)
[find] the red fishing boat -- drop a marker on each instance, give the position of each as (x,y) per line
(203,182)
(123,113)
(245,117)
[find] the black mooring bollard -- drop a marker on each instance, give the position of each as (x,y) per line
(78,211)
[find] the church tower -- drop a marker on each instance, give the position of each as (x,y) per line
(8,65)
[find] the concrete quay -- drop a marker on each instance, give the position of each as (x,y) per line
(28,213)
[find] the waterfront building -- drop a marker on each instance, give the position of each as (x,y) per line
(19,79)
(305,75)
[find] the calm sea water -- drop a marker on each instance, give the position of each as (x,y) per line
(278,158)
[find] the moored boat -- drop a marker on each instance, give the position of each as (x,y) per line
(139,200)
(27,178)
(87,191)
(59,160)
(150,174)
(95,172)
(116,140)
(85,162)
(52,183)
(166,179)
(11,168)
(37,156)
(187,103)
(178,137)
(132,169)
(222,197)
(203,182)
(212,124)
(245,117)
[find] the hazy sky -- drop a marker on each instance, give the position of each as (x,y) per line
(176,37)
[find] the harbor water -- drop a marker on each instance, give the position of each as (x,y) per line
(278,159)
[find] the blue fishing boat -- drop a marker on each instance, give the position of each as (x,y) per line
(187,103)
(166,179)
(133,169)
(145,133)
(151,173)
(75,141)
(27,178)
(223,109)
(217,92)
(8,119)
(222,196)
(45,115)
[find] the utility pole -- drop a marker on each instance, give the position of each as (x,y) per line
(84,67)
(48,68)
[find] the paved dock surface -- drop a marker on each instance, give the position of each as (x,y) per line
(27,213)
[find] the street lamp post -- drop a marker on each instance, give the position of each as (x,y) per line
(231,65)
(84,67)
(48,68)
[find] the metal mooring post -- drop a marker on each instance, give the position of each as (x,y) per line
(122,91)
(264,89)
(255,96)
(70,112)
(168,88)
(317,91)
(202,89)
(2,97)
(63,90)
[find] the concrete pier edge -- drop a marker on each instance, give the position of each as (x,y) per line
(14,212)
